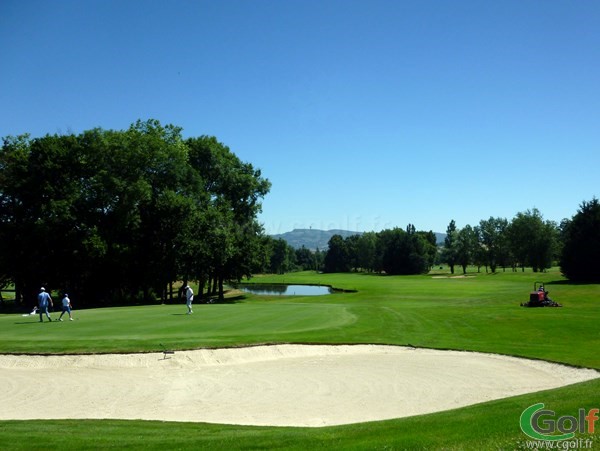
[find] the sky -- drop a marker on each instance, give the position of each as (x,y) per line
(364,115)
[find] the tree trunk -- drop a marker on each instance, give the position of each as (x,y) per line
(221,292)
(213,291)
(200,289)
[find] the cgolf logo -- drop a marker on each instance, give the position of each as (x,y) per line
(540,424)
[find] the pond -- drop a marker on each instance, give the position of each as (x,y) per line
(286,290)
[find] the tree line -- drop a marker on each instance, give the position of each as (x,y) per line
(525,241)
(529,241)
(118,216)
(279,257)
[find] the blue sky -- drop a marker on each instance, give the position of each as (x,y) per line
(364,115)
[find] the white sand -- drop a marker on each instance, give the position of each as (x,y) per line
(284,385)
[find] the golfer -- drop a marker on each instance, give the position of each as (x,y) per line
(189,296)
(43,300)
(66,307)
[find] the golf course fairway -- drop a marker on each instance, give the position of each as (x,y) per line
(233,349)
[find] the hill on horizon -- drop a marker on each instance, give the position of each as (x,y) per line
(314,239)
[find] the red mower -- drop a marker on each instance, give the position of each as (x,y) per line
(539,297)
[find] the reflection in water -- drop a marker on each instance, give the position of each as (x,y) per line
(287,290)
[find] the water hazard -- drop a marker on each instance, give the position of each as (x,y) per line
(285,290)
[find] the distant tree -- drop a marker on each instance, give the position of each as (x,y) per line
(491,234)
(337,258)
(430,247)
(466,245)
(319,259)
(352,248)
(532,240)
(581,247)
(283,257)
(449,251)
(366,250)
(305,258)
(404,252)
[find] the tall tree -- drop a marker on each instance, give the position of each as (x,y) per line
(117,215)
(466,244)
(366,249)
(235,190)
(449,251)
(283,257)
(404,252)
(491,234)
(305,258)
(532,240)
(337,257)
(581,246)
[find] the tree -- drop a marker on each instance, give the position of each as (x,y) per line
(430,247)
(449,251)
(466,244)
(235,190)
(117,215)
(532,240)
(305,259)
(404,252)
(337,257)
(366,249)
(491,237)
(581,244)
(283,257)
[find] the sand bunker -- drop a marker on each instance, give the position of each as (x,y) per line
(284,385)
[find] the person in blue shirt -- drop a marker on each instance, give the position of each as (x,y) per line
(43,300)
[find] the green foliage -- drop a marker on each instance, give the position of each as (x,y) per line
(492,237)
(449,251)
(532,240)
(338,255)
(466,244)
(113,216)
(392,251)
(283,257)
(581,244)
(527,241)
(306,259)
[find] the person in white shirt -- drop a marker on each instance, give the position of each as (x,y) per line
(189,296)
(66,307)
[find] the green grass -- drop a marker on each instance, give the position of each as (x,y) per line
(479,314)
(135,329)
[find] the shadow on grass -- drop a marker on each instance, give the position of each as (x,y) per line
(231,300)
(207,302)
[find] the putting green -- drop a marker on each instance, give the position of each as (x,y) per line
(150,327)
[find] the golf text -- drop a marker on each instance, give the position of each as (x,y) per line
(542,424)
